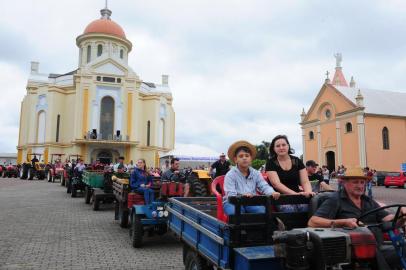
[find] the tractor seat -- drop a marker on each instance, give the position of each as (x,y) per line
(317,200)
(218,182)
(171,189)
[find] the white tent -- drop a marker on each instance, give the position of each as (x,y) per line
(192,152)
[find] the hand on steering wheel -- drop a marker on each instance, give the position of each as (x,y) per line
(400,214)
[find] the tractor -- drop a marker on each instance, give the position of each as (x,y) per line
(69,171)
(55,170)
(33,167)
(200,182)
(10,171)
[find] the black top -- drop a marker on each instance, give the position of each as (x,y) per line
(291,178)
(316,177)
(221,168)
(339,206)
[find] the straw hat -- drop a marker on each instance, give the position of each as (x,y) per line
(355,173)
(238,144)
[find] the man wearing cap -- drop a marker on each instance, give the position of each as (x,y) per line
(345,206)
(222,166)
(316,180)
(243,180)
(120,167)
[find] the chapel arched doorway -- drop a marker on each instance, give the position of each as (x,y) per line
(331,160)
(105,157)
(107,118)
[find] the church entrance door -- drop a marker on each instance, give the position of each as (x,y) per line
(331,161)
(105,157)
(107,118)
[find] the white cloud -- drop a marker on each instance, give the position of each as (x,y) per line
(238,69)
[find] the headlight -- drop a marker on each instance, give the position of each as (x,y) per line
(154,214)
(160,213)
(166,213)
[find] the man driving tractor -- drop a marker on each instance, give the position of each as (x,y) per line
(174,175)
(346,206)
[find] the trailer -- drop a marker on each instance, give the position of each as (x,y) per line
(98,188)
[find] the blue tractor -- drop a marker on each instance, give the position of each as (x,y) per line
(151,218)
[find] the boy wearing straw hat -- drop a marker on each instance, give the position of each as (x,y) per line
(243,180)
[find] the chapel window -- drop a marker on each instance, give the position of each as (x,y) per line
(58,122)
(311,135)
(99,50)
(148,133)
(348,127)
(89,53)
(385,138)
(121,53)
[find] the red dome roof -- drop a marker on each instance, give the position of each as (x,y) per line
(105,26)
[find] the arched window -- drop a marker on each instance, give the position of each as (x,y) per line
(41,127)
(107,118)
(89,53)
(148,133)
(99,50)
(348,127)
(161,137)
(121,53)
(58,122)
(385,138)
(311,135)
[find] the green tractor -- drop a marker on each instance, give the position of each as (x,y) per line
(33,167)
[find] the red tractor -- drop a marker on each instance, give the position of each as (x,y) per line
(56,170)
(10,171)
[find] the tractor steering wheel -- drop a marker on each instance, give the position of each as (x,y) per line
(392,223)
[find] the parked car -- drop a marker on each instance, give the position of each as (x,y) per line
(397,179)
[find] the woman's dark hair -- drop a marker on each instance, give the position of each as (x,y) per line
(272,152)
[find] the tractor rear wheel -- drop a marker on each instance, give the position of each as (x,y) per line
(96,203)
(23,171)
(88,194)
(123,217)
(197,187)
(136,230)
(30,174)
(194,262)
(62,180)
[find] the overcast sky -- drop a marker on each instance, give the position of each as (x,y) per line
(238,69)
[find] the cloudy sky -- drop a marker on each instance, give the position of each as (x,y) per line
(238,69)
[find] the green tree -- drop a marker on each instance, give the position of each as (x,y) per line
(257,163)
(263,150)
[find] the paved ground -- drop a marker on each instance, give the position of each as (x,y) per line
(42,227)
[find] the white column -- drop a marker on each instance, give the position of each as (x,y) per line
(304,144)
(361,140)
(95,116)
(320,155)
(339,150)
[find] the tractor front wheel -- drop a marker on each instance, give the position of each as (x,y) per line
(96,203)
(73,191)
(49,176)
(30,174)
(123,217)
(136,231)
(88,194)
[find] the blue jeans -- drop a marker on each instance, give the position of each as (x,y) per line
(148,194)
(229,209)
(291,208)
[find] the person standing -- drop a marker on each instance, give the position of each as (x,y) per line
(326,174)
(120,167)
(222,166)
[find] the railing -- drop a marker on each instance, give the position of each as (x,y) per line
(111,137)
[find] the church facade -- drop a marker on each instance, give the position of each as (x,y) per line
(102,109)
(354,126)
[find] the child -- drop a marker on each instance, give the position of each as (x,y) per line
(244,180)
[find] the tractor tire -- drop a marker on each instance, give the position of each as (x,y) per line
(194,262)
(30,174)
(136,230)
(41,175)
(68,187)
(73,191)
(62,180)
(96,204)
(197,187)
(49,176)
(23,172)
(123,218)
(88,194)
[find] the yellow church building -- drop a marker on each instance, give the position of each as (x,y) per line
(354,126)
(102,109)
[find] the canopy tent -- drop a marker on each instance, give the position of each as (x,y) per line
(192,152)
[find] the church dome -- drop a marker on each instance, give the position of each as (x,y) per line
(105,25)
